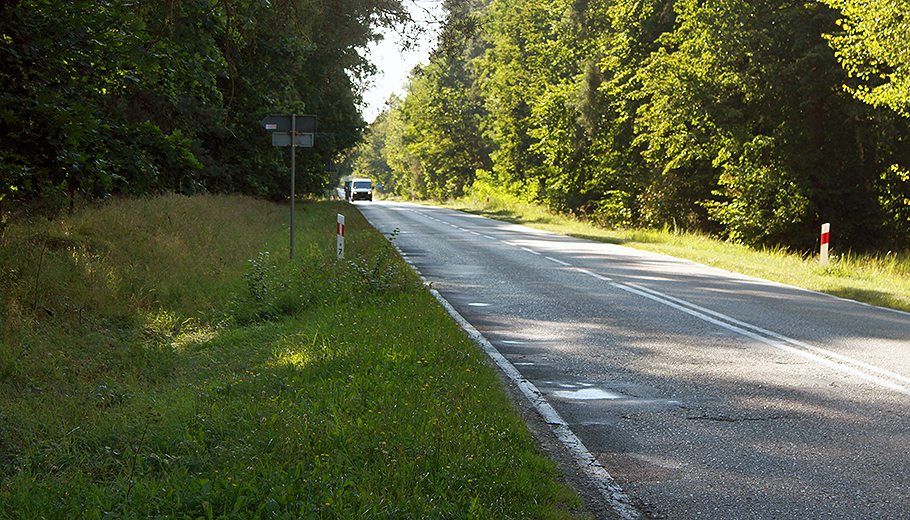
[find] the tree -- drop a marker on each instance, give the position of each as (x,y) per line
(746,117)
(721,116)
(872,47)
(368,159)
(443,114)
(143,97)
(616,40)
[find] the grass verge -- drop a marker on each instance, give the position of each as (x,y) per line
(161,358)
(882,279)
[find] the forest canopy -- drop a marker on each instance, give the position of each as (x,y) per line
(150,96)
(754,120)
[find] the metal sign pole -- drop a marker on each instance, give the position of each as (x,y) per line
(284,133)
(293,147)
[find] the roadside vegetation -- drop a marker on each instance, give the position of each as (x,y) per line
(159,96)
(752,121)
(878,279)
(163,358)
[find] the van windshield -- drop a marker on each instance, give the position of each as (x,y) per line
(364,185)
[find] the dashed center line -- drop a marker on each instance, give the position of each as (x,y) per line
(871,373)
(595,275)
(558,261)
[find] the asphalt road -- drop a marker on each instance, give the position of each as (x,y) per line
(703,393)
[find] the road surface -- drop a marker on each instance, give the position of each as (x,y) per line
(702,393)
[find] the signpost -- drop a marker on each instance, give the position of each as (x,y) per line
(291,130)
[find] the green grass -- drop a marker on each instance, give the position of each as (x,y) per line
(882,280)
(162,358)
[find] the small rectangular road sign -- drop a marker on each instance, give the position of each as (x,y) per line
(305,123)
(300,140)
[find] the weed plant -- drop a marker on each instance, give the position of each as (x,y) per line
(161,358)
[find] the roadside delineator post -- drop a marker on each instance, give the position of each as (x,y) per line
(339,241)
(823,257)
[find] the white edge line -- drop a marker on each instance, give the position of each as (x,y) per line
(619,501)
(531,251)
(589,465)
(596,473)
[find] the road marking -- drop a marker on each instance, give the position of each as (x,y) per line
(589,394)
(588,463)
(795,342)
(595,275)
(861,369)
(560,262)
(778,341)
(794,346)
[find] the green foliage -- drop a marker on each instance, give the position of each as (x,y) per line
(163,96)
(872,46)
(726,116)
(894,197)
(368,161)
(275,291)
(268,295)
(762,206)
(443,117)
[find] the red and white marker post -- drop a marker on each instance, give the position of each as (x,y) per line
(339,241)
(823,257)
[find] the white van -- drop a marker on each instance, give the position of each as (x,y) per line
(361,189)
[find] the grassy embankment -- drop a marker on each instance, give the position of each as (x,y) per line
(882,280)
(156,361)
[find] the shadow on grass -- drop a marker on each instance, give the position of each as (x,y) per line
(599,238)
(503,215)
(512,218)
